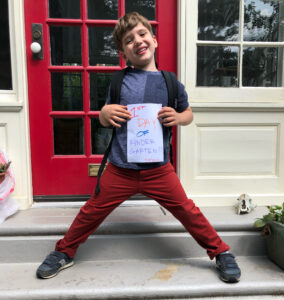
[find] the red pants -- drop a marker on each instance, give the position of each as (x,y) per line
(161,184)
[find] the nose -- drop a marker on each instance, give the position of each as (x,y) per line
(137,40)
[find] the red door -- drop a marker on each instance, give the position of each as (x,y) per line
(68,87)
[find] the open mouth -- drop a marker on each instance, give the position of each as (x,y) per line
(141,51)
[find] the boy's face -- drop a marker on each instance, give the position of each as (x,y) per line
(139,47)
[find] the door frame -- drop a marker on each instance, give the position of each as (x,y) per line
(167,37)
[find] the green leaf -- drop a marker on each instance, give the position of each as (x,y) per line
(268,218)
(259,223)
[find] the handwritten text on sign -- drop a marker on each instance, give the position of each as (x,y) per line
(144,134)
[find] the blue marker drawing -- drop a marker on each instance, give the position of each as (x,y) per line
(142,133)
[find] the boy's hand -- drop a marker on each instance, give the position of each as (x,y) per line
(113,114)
(169,117)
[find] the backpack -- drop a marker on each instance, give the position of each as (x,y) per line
(115,88)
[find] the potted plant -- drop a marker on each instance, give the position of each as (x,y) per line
(272,225)
(3,170)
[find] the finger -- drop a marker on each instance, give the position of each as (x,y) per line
(118,119)
(165,109)
(124,113)
(169,124)
(166,115)
(169,111)
(114,124)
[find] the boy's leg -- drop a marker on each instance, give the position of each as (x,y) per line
(163,185)
(116,186)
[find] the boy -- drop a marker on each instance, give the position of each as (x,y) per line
(157,180)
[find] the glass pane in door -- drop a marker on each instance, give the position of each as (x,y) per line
(65,44)
(144,7)
(103,9)
(68,136)
(100,137)
(67,91)
(262,66)
(99,83)
(67,9)
(217,66)
(102,50)
(218,20)
(264,20)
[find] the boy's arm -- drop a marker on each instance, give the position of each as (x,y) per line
(169,117)
(113,114)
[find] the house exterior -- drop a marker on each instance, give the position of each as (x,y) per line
(228,54)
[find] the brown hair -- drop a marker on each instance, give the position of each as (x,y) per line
(127,23)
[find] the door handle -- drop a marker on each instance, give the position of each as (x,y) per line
(37,42)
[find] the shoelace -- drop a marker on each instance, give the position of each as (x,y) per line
(227,260)
(53,258)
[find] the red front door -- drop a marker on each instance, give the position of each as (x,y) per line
(68,87)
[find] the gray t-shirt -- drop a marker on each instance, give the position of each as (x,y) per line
(143,87)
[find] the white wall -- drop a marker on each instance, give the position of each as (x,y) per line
(235,144)
(14,131)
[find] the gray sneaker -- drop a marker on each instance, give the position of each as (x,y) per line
(228,268)
(54,262)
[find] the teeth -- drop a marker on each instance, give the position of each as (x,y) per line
(141,50)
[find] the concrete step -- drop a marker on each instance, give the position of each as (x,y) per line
(142,279)
(142,232)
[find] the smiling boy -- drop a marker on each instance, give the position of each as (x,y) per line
(157,180)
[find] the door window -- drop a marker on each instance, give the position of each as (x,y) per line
(234,61)
(5,57)
(235,46)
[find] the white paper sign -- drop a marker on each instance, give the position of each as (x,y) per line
(144,134)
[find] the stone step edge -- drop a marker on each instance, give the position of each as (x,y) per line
(87,284)
(127,220)
(115,228)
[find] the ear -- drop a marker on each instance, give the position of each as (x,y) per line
(155,41)
(124,56)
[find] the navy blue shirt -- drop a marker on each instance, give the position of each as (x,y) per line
(143,87)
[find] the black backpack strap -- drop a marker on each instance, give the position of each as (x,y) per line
(103,163)
(115,89)
(172,86)
(115,85)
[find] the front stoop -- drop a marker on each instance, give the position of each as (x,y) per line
(144,279)
(137,253)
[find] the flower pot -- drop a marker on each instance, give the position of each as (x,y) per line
(2,177)
(275,243)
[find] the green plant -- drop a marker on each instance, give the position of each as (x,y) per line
(276,213)
(4,167)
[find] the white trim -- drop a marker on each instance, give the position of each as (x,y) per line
(236,107)
(23,96)
(14,108)
(10,106)
(181,50)
(247,44)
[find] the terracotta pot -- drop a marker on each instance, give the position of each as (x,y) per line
(2,177)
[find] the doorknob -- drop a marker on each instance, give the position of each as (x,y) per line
(35,47)
(37,41)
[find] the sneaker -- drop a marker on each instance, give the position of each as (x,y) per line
(54,262)
(228,267)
